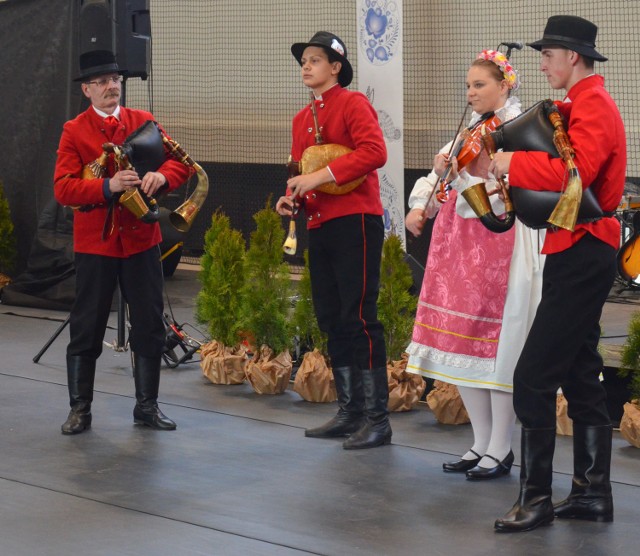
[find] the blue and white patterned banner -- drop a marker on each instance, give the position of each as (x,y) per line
(380,78)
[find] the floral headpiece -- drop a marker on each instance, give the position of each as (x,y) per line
(500,60)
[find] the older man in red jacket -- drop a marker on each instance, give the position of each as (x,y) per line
(112,246)
(561,349)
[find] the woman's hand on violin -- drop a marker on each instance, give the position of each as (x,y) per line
(499,166)
(123,180)
(285,206)
(415,221)
(441,162)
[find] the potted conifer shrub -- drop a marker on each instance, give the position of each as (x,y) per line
(396,311)
(314,380)
(630,368)
(219,301)
(265,304)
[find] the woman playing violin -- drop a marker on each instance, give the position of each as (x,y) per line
(480,289)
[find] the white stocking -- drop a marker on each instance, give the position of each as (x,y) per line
(504,419)
(477,401)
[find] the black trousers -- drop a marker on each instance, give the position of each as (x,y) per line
(344,262)
(141,282)
(561,349)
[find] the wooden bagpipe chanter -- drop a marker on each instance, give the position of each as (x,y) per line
(540,128)
(145,150)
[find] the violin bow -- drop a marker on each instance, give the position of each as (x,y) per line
(462,120)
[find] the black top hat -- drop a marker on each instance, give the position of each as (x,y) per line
(572,32)
(334,44)
(97,62)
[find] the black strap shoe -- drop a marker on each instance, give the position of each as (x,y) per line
(503,468)
(461,465)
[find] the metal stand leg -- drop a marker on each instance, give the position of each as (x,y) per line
(121,320)
(51,340)
(120,343)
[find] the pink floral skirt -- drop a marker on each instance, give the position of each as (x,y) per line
(459,315)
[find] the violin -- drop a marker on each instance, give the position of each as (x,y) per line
(468,148)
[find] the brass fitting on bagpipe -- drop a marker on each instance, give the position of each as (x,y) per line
(182,218)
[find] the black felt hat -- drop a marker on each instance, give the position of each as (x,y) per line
(333,43)
(97,62)
(572,32)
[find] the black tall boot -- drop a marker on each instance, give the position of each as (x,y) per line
(81,372)
(376,430)
(350,416)
(533,507)
(146,375)
(590,496)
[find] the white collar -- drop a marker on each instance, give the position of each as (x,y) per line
(510,109)
(320,97)
(567,99)
(116,112)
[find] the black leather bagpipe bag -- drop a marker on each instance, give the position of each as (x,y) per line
(533,131)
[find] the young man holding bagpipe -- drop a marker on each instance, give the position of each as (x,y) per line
(343,208)
(561,348)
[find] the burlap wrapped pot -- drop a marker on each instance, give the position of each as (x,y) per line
(222,364)
(314,379)
(564,425)
(446,404)
(267,373)
(405,389)
(630,423)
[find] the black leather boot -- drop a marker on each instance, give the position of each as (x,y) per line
(350,416)
(590,496)
(533,507)
(81,372)
(146,375)
(376,430)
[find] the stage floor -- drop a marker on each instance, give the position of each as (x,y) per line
(238,477)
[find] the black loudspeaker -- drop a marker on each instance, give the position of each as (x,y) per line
(120,26)
(96,28)
(133,36)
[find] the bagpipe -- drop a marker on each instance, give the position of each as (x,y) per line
(144,151)
(540,128)
(315,158)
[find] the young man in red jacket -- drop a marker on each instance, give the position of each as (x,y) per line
(111,245)
(345,240)
(561,349)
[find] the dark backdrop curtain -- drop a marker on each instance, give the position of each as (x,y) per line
(38,61)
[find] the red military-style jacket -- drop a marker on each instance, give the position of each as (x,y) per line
(80,144)
(346,118)
(596,132)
